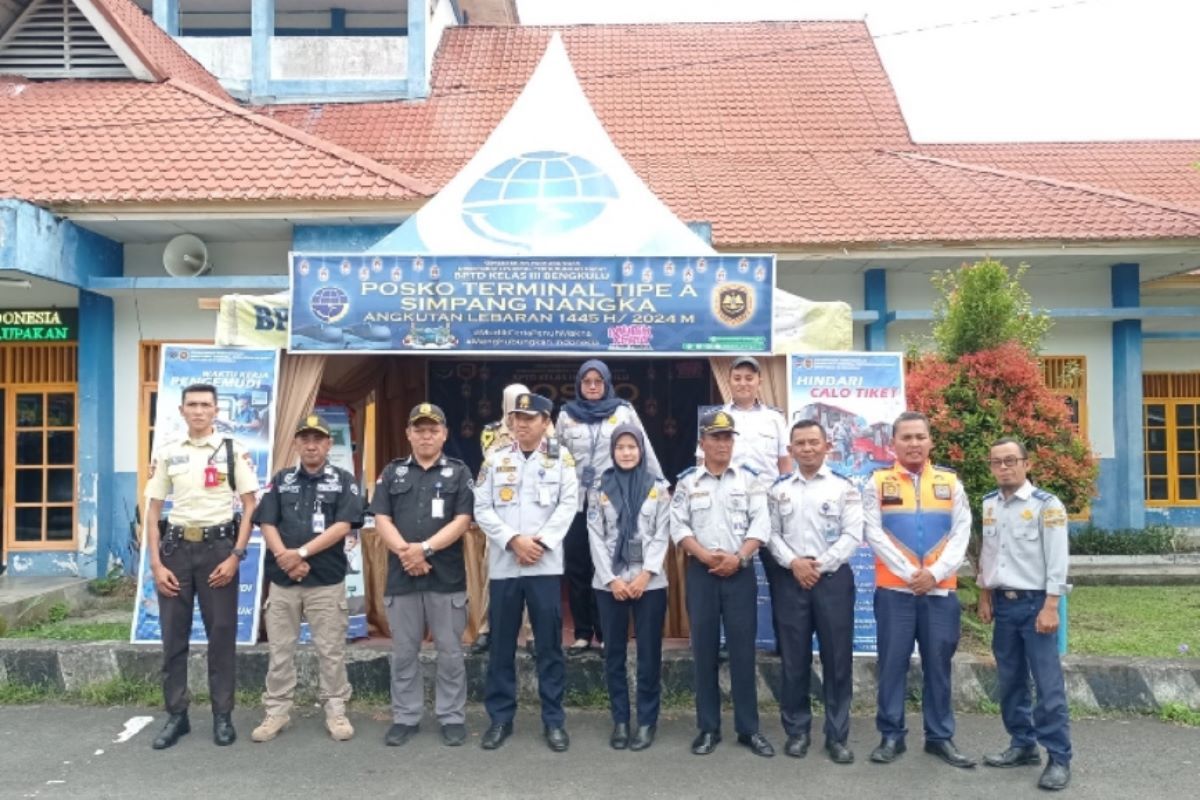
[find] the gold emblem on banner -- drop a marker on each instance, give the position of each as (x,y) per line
(733,303)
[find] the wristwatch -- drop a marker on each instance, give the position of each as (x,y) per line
(240,552)
(302,551)
(744,561)
(427,550)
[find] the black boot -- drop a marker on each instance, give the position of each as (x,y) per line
(177,725)
(223,732)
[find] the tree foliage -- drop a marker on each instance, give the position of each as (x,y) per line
(981,306)
(983,381)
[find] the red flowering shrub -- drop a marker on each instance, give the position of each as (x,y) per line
(973,397)
(994,393)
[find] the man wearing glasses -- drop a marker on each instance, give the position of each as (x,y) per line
(1022,574)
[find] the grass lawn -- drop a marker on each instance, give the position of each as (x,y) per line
(75,631)
(1149,621)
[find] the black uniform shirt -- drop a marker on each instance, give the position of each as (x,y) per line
(289,504)
(406,493)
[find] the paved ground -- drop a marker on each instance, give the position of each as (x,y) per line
(56,752)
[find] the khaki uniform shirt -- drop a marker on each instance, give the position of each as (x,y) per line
(177,472)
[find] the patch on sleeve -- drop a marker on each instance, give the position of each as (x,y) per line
(1054,515)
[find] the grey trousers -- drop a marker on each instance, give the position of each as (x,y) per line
(445,614)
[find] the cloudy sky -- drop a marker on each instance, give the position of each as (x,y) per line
(991,70)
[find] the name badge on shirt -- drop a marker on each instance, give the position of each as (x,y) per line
(318,521)
(635,551)
(701,501)
(941,491)
(544,498)
(439,507)
(891,493)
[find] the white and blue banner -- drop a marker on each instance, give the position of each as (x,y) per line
(686,305)
(245,380)
(855,397)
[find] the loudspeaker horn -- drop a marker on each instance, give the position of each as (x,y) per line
(186,256)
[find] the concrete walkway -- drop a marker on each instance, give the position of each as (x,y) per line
(26,600)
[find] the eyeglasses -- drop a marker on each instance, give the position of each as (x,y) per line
(1007,461)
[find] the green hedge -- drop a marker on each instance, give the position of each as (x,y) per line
(1155,540)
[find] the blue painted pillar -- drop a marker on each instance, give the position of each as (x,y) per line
(875,299)
(95,428)
(262,30)
(418,25)
(1130,505)
(166,15)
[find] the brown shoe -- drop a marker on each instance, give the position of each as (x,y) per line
(272,725)
(339,727)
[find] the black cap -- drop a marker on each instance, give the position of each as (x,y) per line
(719,421)
(746,361)
(313,422)
(531,404)
(427,411)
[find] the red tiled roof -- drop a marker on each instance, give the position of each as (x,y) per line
(1166,170)
(161,54)
(784,134)
(70,143)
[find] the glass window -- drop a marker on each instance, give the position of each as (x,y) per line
(60,447)
(60,485)
(28,524)
(60,410)
(59,523)
(29,411)
(29,486)
(29,448)
(1158,489)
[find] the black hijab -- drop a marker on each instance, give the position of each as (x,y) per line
(626,489)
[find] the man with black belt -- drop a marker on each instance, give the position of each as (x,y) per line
(719,517)
(816,525)
(918,521)
(525,501)
(1022,575)
(304,516)
(196,554)
(422,508)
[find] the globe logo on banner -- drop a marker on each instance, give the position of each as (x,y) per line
(537,195)
(329,304)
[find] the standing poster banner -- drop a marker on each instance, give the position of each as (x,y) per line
(245,381)
(855,397)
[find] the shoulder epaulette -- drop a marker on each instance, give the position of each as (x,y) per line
(686,472)
(941,468)
(781,478)
(777,410)
(990,495)
(491,426)
(751,470)
(1042,494)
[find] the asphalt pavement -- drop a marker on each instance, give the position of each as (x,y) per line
(53,751)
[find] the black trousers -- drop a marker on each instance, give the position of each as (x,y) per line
(508,598)
(733,601)
(648,613)
(192,563)
(828,610)
(578,571)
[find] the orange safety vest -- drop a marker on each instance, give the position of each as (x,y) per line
(919,525)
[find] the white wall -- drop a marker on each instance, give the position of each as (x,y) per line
(228,258)
(304,57)
(166,315)
(441,17)
(40,294)
(1049,288)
